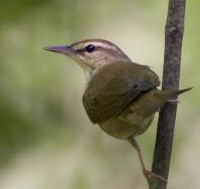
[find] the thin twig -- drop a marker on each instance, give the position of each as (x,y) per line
(171,72)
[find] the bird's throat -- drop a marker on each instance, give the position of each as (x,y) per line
(88,75)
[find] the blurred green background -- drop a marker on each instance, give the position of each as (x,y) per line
(46,139)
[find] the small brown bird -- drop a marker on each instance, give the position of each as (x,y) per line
(120,95)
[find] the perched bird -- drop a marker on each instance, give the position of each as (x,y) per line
(120,96)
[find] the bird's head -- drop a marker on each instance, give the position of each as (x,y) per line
(92,53)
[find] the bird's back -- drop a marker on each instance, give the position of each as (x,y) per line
(114,86)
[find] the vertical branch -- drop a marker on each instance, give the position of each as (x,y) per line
(174,30)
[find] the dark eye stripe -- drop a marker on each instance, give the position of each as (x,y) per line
(90,48)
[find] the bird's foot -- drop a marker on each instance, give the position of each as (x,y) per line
(150,175)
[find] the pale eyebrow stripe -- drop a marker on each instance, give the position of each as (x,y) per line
(103,45)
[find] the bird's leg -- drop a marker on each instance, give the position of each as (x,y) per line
(148,174)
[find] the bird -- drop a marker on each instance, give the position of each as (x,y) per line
(121,96)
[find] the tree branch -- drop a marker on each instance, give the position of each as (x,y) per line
(174,30)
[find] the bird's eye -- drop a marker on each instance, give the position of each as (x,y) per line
(90,48)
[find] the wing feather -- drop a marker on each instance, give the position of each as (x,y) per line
(114,86)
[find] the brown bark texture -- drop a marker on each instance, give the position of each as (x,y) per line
(174,30)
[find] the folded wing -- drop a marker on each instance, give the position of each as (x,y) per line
(114,86)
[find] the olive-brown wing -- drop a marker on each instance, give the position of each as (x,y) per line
(114,86)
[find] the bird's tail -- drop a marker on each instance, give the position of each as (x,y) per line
(173,94)
(153,100)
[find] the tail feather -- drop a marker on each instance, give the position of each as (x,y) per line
(150,102)
(184,90)
(171,95)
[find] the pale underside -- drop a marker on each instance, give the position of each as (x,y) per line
(128,123)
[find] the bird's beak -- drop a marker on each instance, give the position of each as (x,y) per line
(65,49)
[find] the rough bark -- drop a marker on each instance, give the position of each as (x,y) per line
(174,30)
